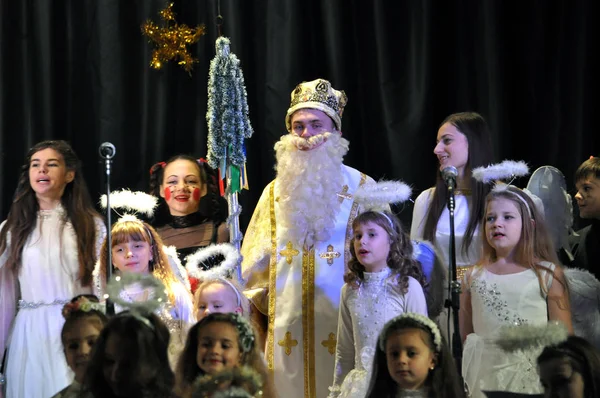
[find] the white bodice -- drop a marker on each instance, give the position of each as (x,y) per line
(363,313)
(442,234)
(499,300)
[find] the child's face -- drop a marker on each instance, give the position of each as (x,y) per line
(132,256)
(588,197)
(182,187)
(372,246)
(409,358)
(218,347)
(560,380)
(78,342)
(48,174)
(216,297)
(121,372)
(503,225)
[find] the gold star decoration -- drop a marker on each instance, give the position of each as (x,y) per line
(171,40)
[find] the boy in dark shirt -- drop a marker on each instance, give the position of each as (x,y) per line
(585,244)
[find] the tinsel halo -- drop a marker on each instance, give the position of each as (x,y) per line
(232,259)
(237,382)
(379,195)
(156,298)
(137,201)
(508,169)
(523,337)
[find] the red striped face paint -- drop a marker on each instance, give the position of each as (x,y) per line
(167,194)
(196,194)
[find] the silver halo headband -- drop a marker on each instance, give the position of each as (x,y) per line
(498,188)
(423,320)
(139,202)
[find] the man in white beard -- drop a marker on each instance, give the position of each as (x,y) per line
(297,244)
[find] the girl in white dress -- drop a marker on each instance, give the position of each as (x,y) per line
(517,282)
(48,246)
(384,281)
(137,248)
(464,142)
(413,360)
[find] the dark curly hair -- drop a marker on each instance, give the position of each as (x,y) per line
(187,370)
(212,206)
(400,259)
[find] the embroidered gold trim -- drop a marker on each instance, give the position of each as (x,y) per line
(308,321)
(330,255)
(461,271)
(288,343)
(272,283)
(330,343)
(289,252)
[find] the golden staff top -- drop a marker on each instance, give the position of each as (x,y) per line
(171,40)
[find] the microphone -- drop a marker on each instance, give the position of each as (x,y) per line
(107,150)
(449,175)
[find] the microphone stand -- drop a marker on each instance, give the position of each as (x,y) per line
(453,303)
(110,306)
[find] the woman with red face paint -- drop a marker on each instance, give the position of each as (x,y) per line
(193,213)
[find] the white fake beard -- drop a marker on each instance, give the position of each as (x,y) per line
(309,181)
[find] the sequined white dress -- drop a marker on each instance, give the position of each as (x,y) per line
(363,313)
(498,300)
(36,366)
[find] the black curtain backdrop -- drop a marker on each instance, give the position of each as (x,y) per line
(79,70)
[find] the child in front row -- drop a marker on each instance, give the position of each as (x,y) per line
(384,281)
(516,282)
(218,342)
(570,369)
(413,360)
(130,359)
(84,320)
(220,295)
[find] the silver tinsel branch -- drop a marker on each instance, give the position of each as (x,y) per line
(227,115)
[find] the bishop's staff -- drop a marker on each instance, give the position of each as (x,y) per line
(228,127)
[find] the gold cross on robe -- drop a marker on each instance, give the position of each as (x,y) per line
(344,194)
(330,255)
(330,343)
(289,252)
(288,343)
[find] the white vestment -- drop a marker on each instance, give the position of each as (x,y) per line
(299,289)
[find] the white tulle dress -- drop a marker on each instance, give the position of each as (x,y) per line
(363,313)
(496,301)
(36,365)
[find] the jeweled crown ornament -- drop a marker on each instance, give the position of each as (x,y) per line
(317,94)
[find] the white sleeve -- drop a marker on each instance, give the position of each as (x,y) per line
(183,304)
(414,299)
(344,352)
(417,227)
(9,290)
